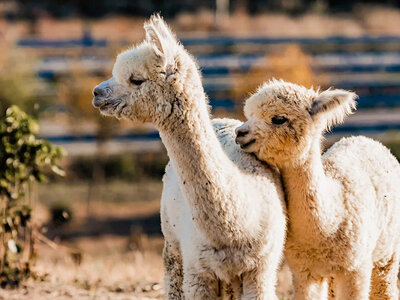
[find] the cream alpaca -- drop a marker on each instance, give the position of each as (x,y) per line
(222,211)
(343,206)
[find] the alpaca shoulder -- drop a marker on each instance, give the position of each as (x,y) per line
(248,163)
(365,166)
(360,152)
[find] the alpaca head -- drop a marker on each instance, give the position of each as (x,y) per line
(285,120)
(146,77)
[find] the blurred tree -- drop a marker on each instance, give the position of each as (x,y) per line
(292,65)
(75,91)
(18,83)
(23,158)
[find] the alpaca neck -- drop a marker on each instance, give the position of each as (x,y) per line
(314,205)
(208,178)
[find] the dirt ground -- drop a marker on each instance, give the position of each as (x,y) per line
(111,248)
(109,269)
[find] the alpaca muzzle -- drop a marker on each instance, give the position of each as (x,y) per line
(243,137)
(102,93)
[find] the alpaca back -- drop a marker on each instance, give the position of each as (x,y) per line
(225,131)
(370,176)
(267,176)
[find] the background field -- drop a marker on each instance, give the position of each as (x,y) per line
(110,251)
(98,228)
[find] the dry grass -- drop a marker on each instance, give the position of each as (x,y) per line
(86,263)
(107,271)
(107,264)
(104,265)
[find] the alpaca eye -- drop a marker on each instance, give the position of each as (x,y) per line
(135,81)
(278,120)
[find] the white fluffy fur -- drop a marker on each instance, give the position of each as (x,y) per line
(343,206)
(222,210)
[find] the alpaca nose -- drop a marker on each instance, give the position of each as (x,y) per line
(98,91)
(241,131)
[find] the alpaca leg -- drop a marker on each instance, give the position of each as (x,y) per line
(198,285)
(384,280)
(229,291)
(308,286)
(236,288)
(354,285)
(173,277)
(260,286)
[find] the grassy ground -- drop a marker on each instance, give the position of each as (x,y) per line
(110,249)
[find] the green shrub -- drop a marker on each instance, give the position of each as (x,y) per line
(23,158)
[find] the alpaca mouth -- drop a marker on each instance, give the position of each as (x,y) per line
(114,108)
(251,142)
(106,104)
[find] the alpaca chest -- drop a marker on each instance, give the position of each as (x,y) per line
(321,261)
(323,256)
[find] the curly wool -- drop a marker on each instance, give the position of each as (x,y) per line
(343,206)
(222,211)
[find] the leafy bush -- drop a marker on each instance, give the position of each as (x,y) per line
(23,158)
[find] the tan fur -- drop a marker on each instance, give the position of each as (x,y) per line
(222,210)
(343,206)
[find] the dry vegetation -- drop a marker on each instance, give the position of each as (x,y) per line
(102,253)
(292,65)
(111,248)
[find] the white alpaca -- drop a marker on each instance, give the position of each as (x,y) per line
(222,210)
(343,206)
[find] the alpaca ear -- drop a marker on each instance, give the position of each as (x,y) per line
(164,42)
(334,105)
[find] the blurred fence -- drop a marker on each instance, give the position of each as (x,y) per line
(368,65)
